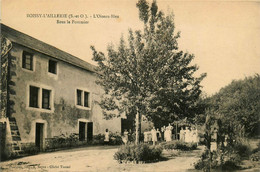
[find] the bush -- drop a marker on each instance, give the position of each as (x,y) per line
(242,149)
(115,139)
(219,161)
(63,141)
(255,156)
(30,148)
(6,152)
(179,145)
(98,139)
(256,149)
(138,153)
(204,162)
(226,158)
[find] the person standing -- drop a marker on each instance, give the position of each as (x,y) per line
(158,134)
(163,133)
(125,137)
(106,141)
(182,134)
(170,128)
(167,134)
(146,139)
(154,136)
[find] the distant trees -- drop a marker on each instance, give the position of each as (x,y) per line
(239,105)
(148,75)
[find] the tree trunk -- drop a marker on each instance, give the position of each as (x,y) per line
(137,128)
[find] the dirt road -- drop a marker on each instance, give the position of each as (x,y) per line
(97,159)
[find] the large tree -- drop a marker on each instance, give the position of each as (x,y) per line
(239,105)
(149,75)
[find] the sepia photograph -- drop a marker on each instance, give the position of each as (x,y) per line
(130,85)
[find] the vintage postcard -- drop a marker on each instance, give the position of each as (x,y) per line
(130,85)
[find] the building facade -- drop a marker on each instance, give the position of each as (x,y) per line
(50,93)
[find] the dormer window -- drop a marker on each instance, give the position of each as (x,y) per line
(27,61)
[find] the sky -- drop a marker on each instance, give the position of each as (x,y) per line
(224,36)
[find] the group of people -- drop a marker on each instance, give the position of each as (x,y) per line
(189,135)
(165,134)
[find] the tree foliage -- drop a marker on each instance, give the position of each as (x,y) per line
(239,104)
(147,73)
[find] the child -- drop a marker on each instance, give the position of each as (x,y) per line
(106,141)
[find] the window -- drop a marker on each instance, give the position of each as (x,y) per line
(27,61)
(83,98)
(79,97)
(52,66)
(46,99)
(86,99)
(40,98)
(34,92)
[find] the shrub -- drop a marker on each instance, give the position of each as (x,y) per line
(230,165)
(204,162)
(168,145)
(138,153)
(255,156)
(115,139)
(225,159)
(6,152)
(256,149)
(179,145)
(242,149)
(63,141)
(98,139)
(30,148)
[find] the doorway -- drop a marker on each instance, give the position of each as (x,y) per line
(82,131)
(89,131)
(39,136)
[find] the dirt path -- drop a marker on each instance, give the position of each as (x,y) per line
(97,159)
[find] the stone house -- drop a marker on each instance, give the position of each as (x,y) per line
(49,93)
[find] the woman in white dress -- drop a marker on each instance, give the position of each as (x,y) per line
(154,136)
(170,128)
(168,134)
(125,137)
(188,135)
(182,134)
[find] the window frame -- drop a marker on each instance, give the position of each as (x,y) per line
(25,54)
(84,101)
(48,98)
(40,101)
(34,104)
(55,63)
(83,105)
(79,97)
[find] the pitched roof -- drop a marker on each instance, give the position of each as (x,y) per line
(35,44)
